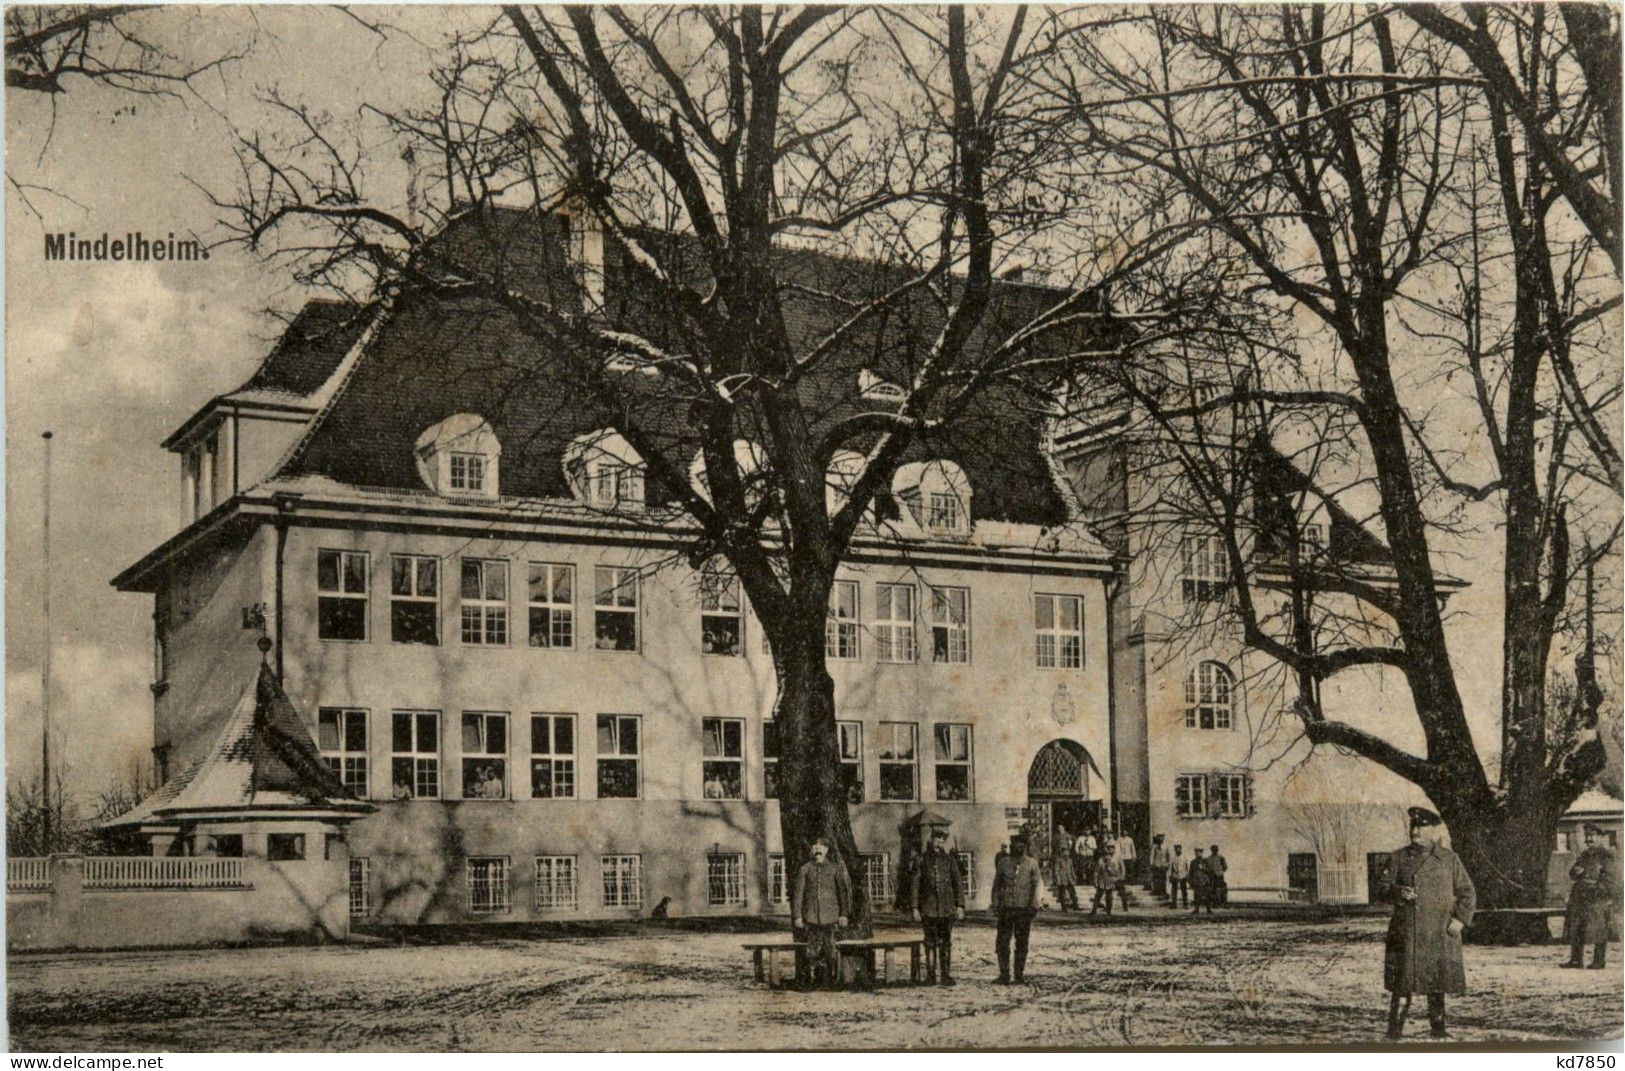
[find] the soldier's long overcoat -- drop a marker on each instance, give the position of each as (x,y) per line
(1594,895)
(1422,955)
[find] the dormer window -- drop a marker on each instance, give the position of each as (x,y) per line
(938,495)
(942,512)
(467,472)
(604,471)
(459,457)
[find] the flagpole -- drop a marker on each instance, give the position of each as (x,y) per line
(45,671)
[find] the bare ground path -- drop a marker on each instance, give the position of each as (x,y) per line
(1154,982)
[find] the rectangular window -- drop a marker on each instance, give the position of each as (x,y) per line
(556,883)
(1058,628)
(341,595)
(552,605)
(414,759)
(1204,568)
(1312,539)
(850,734)
(967,873)
(877,878)
(360,888)
(414,599)
(943,512)
(623,880)
(487,885)
(614,485)
(778,885)
(841,629)
(284,847)
(1232,795)
(160,648)
(770,760)
(897,760)
(721,615)
(618,756)
(615,604)
(467,472)
(723,748)
(1190,795)
(485,755)
(952,747)
(894,622)
(725,879)
(341,733)
(950,625)
(552,756)
(485,601)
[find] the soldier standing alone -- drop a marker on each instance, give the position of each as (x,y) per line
(1015,902)
(939,899)
(1433,902)
(1591,899)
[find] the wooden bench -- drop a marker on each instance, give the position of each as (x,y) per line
(765,957)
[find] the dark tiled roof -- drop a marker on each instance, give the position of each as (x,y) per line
(1282,484)
(436,357)
(310,349)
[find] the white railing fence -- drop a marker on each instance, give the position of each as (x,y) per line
(28,875)
(162,872)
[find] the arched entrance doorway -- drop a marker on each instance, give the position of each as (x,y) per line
(1058,792)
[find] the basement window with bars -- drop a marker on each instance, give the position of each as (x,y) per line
(623,880)
(778,883)
(725,879)
(341,733)
(877,880)
(360,888)
(488,885)
(556,883)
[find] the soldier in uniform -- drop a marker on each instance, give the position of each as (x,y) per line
(939,899)
(823,902)
(1433,902)
(1015,902)
(1591,899)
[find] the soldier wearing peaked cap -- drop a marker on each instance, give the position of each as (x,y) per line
(1433,902)
(1592,898)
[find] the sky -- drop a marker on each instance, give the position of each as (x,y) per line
(111,358)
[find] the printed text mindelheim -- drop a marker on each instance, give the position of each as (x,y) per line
(133,246)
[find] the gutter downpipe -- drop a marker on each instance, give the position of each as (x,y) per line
(1114,588)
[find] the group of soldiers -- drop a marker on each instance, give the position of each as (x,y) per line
(1432,896)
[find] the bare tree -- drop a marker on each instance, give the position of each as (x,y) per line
(703,147)
(1323,150)
(50,47)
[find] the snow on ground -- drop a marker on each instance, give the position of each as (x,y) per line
(1146,981)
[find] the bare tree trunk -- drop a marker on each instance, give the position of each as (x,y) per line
(1506,852)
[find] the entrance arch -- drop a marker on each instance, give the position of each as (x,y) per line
(1058,792)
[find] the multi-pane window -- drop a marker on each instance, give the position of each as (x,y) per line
(841,629)
(360,888)
(1190,795)
(778,882)
(1058,628)
(877,878)
(952,749)
(723,747)
(552,605)
(552,756)
(556,883)
(897,760)
(1312,538)
(467,472)
(967,873)
(623,880)
(284,847)
(618,756)
(487,884)
(725,879)
(617,484)
(615,608)
(414,599)
(1204,567)
(341,734)
(770,760)
(721,616)
(1232,795)
(943,512)
(485,755)
(414,760)
(1208,690)
(950,625)
(894,622)
(485,601)
(341,595)
(850,736)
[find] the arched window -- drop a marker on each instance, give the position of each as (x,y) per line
(1208,692)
